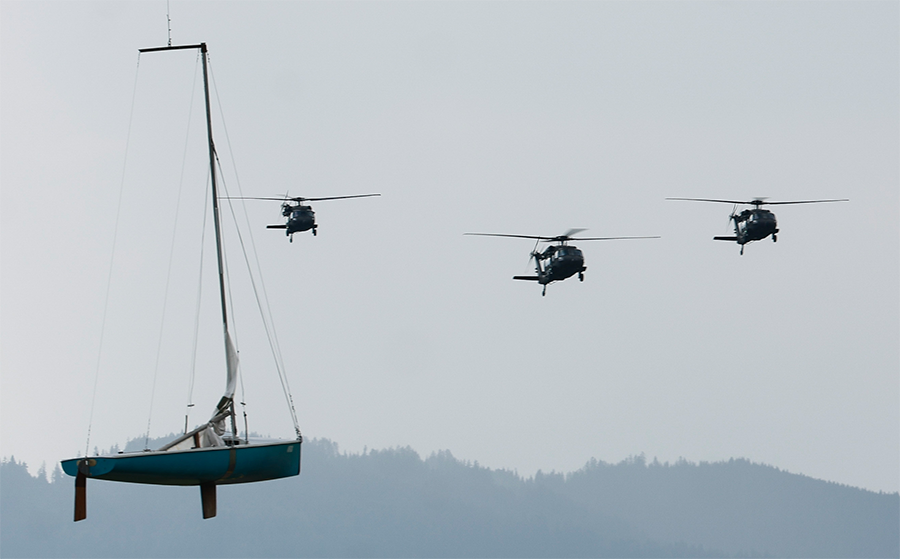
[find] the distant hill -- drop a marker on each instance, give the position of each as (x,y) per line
(392,503)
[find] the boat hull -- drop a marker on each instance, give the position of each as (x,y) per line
(217,465)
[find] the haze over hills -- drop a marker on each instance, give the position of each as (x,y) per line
(393,503)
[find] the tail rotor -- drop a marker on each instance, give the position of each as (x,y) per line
(534,253)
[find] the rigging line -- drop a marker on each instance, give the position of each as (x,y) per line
(192,376)
(162,321)
(230,150)
(169,22)
(277,355)
(234,325)
(225,257)
(231,334)
(282,377)
(112,256)
(234,167)
(227,273)
(268,324)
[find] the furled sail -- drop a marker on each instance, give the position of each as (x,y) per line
(212,435)
(231,364)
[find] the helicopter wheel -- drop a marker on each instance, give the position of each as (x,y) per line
(580,276)
(544,292)
(291,239)
(314,231)
(774,238)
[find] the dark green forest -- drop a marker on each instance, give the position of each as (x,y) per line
(393,503)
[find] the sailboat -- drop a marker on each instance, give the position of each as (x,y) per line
(208,455)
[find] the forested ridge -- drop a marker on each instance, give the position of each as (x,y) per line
(394,503)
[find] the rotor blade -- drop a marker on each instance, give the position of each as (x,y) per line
(253,198)
(515,236)
(571,232)
(711,200)
(759,201)
(806,202)
(333,198)
(295,199)
(534,253)
(609,238)
(558,238)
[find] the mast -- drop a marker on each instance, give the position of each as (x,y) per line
(230,354)
(215,195)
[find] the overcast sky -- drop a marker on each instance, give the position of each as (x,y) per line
(524,118)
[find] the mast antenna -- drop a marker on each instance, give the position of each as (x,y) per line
(169,22)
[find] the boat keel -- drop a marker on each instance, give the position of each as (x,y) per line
(207,499)
(80,497)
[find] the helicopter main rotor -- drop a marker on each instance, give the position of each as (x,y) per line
(564,238)
(299,199)
(758,201)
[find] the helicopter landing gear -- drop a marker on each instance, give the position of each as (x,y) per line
(291,238)
(774,238)
(580,276)
(742,250)
(544,292)
(314,231)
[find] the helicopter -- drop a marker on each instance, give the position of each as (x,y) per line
(300,217)
(756,224)
(558,261)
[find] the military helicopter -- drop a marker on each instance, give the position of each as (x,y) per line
(559,261)
(300,217)
(755,224)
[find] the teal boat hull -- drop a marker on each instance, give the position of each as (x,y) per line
(199,466)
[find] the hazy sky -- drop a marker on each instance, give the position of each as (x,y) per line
(508,117)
